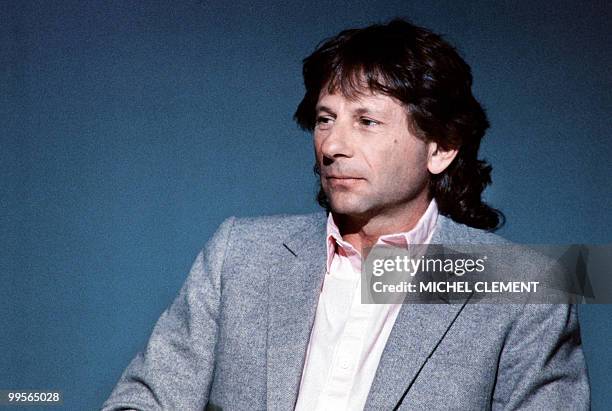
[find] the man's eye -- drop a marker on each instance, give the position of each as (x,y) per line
(368,122)
(324,120)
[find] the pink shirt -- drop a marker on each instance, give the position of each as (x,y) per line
(348,337)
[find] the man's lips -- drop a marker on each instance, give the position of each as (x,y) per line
(342,177)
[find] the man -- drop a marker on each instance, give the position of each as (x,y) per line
(270,316)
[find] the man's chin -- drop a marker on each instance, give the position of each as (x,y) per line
(349,209)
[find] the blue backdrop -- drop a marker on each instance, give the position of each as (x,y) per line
(130,130)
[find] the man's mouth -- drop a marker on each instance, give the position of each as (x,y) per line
(342,177)
(335,179)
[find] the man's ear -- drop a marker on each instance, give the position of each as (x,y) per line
(438,159)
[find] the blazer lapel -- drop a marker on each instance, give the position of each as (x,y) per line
(294,288)
(418,330)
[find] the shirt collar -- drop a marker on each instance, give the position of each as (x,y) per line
(420,234)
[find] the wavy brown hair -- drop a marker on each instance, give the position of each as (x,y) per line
(425,73)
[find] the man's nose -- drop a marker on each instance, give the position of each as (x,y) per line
(337,143)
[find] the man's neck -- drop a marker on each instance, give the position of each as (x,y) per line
(364,231)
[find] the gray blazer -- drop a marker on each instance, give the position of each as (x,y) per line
(235,337)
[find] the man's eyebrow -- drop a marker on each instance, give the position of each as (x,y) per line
(326,109)
(366,110)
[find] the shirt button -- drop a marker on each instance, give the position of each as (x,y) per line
(344,364)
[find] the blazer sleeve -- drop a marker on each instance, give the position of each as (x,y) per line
(542,365)
(176,368)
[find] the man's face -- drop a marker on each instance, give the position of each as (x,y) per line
(370,163)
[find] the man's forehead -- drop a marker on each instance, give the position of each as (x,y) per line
(364,99)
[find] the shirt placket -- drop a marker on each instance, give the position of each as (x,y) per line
(347,354)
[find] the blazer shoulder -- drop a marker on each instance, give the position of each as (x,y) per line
(275,226)
(520,261)
(449,231)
